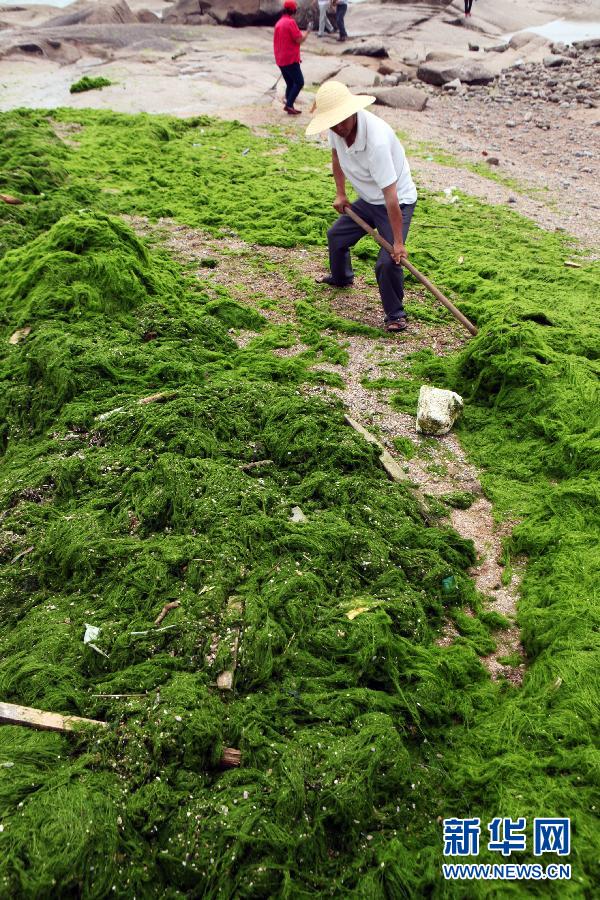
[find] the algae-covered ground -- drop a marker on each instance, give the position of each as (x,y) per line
(358,732)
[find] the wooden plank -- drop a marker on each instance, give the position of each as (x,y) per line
(12,714)
(233,614)
(393,469)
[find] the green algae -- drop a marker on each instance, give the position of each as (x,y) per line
(356,734)
(89,84)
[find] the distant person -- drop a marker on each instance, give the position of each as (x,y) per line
(366,151)
(468,5)
(324,23)
(286,47)
(341,7)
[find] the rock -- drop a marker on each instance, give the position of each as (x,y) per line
(468,71)
(587,44)
(367,48)
(525,38)
(441,56)
(232,12)
(401,97)
(357,77)
(497,48)
(317,69)
(474,47)
(454,85)
(298,515)
(493,161)
(145,15)
(437,410)
(97,14)
(19,335)
(554,62)
(385,69)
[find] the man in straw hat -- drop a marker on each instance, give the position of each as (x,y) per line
(366,151)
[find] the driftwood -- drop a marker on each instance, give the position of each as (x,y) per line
(232,615)
(8,198)
(166,610)
(162,397)
(393,469)
(11,714)
(245,467)
(231,758)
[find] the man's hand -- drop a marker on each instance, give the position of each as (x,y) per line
(340,203)
(399,252)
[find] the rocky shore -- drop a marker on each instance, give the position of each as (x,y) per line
(485,89)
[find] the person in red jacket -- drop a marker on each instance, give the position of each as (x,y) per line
(286,46)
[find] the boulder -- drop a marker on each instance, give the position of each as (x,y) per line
(357,77)
(555,62)
(367,48)
(147,17)
(401,97)
(467,70)
(317,69)
(588,44)
(496,48)
(453,85)
(437,410)
(441,56)
(236,13)
(97,14)
(520,39)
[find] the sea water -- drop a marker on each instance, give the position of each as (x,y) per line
(567,31)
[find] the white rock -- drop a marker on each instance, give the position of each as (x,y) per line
(298,515)
(437,410)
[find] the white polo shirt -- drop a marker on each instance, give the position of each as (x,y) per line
(375,160)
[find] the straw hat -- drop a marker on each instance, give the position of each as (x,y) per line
(333,104)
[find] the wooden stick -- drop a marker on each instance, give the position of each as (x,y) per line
(254,465)
(11,714)
(414,271)
(14,201)
(231,758)
(392,468)
(166,610)
(233,615)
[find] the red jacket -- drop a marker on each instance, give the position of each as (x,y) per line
(286,41)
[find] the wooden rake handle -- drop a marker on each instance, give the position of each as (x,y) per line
(414,271)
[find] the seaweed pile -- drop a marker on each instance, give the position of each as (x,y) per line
(135,435)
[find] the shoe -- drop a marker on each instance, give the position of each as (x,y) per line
(328,279)
(292,112)
(396,325)
(341,39)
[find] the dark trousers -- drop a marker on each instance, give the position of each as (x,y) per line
(468,5)
(340,12)
(294,82)
(345,233)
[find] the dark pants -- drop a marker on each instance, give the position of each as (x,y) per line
(468,5)
(344,233)
(340,12)
(294,81)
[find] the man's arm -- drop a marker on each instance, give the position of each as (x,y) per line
(341,200)
(390,195)
(299,36)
